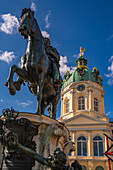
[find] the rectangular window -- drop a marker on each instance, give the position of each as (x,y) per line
(67,107)
(95,149)
(101,149)
(95,105)
(81,103)
(79,148)
(84,149)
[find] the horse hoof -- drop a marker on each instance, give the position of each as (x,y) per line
(37,113)
(6,84)
(12,89)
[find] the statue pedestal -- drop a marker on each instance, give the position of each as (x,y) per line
(51,134)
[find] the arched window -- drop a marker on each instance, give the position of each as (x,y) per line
(99,168)
(98,146)
(81,103)
(81,146)
(95,104)
(67,106)
(84,167)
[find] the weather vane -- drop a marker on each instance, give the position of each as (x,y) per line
(81,51)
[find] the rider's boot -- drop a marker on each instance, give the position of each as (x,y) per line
(56,75)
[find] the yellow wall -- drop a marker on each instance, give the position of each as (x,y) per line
(92,90)
(87,122)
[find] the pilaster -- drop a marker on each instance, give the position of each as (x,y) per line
(89,143)
(72,100)
(73,139)
(90,99)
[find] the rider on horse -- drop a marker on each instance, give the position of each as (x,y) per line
(54,59)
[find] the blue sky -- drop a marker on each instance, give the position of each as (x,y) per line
(69,24)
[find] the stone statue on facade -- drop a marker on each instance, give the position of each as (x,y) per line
(40,66)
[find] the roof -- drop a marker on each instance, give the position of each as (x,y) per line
(82,73)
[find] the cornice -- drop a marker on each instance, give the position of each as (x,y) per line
(88,129)
(86,116)
(89,87)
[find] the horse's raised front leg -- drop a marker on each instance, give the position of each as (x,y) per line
(21,72)
(18,83)
(39,92)
(9,84)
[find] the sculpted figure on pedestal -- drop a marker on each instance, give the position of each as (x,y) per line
(55,161)
(40,66)
(13,157)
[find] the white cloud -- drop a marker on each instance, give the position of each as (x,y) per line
(110,69)
(10,24)
(109,114)
(45,34)
(1,100)
(110,82)
(64,66)
(111,59)
(19,64)
(110,37)
(77,55)
(24,104)
(47,19)
(7,56)
(33,6)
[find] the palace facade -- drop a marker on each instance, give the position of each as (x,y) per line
(82,111)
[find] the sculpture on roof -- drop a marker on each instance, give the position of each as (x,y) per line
(81,51)
(40,66)
(82,72)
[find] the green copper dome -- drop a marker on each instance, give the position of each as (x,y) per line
(82,73)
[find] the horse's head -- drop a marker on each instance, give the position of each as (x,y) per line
(26,22)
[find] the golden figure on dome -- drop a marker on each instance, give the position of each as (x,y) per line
(81,51)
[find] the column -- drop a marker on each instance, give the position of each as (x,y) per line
(103,111)
(86,100)
(105,142)
(90,99)
(72,100)
(89,143)
(73,139)
(62,110)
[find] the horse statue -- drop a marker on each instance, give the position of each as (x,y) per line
(38,68)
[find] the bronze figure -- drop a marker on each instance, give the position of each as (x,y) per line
(40,66)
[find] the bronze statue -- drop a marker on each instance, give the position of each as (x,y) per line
(13,157)
(40,66)
(56,161)
(54,59)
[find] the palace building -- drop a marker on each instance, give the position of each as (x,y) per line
(82,111)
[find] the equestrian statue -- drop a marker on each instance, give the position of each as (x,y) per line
(39,66)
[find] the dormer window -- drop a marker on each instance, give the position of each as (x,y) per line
(95,104)
(81,103)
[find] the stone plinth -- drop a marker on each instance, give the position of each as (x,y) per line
(51,134)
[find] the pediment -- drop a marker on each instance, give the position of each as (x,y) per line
(84,119)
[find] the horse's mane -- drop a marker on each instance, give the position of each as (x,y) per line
(25,10)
